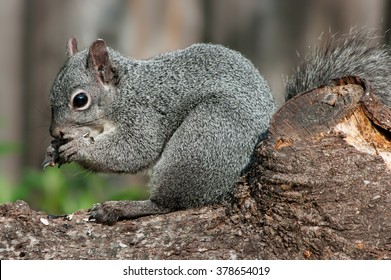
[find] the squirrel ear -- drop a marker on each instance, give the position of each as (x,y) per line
(72,47)
(98,61)
(98,56)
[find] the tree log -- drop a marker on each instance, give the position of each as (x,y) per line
(318,187)
(322,179)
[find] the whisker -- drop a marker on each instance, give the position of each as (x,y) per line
(83,172)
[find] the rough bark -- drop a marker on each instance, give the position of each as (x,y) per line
(319,187)
(321,180)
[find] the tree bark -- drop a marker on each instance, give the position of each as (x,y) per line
(322,179)
(319,187)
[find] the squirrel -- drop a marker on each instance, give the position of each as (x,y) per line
(193,115)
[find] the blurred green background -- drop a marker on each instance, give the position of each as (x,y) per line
(274,34)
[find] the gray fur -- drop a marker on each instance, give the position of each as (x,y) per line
(194,115)
(357,54)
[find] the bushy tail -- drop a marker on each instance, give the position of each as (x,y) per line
(356,54)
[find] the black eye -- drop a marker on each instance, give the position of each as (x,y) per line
(80,100)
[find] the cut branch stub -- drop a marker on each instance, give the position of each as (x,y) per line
(316,111)
(348,107)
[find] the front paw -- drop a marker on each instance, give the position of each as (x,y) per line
(74,150)
(52,154)
(105,213)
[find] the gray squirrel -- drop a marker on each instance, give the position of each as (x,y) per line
(194,115)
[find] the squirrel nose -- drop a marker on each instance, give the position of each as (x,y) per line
(56,132)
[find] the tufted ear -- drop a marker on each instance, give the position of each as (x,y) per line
(72,47)
(99,62)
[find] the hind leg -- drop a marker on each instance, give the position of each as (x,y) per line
(202,160)
(109,212)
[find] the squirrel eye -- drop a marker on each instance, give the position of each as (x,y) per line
(80,101)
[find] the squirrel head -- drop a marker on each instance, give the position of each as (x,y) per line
(83,90)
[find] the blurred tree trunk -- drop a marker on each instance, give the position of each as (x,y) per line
(11,82)
(152,27)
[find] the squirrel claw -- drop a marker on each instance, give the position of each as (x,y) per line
(52,155)
(50,159)
(104,213)
(48,162)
